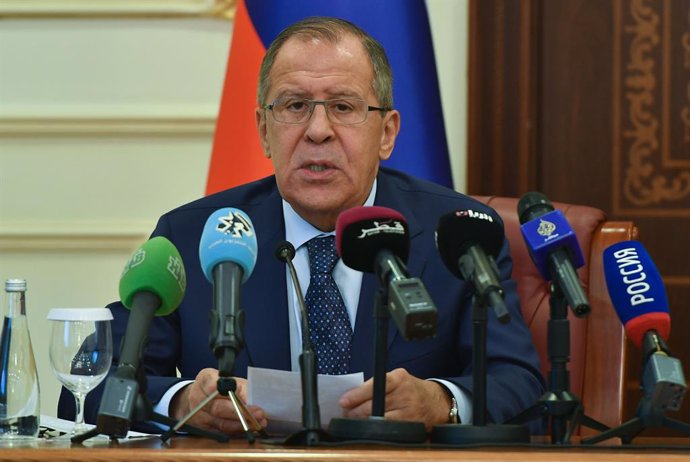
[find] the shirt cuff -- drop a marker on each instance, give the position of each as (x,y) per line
(462,398)
(163,406)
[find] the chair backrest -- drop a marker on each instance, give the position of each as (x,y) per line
(597,341)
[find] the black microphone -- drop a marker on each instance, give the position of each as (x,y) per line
(553,246)
(376,240)
(311,413)
(464,238)
(468,242)
(152,284)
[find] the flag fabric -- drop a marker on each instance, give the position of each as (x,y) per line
(402,27)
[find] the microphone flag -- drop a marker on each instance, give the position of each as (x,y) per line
(237,156)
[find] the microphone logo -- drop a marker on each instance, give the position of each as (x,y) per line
(472,214)
(137,259)
(383,227)
(546,229)
(176,269)
(630,267)
(234,224)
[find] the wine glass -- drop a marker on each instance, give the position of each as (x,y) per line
(81,351)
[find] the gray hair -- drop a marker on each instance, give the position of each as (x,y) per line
(331,30)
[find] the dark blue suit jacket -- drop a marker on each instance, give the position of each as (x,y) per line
(180,340)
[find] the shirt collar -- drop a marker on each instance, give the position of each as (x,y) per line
(298,231)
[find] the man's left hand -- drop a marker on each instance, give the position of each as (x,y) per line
(407,398)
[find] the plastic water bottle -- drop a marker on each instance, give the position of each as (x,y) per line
(19,391)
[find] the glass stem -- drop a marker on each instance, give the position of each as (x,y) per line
(79,400)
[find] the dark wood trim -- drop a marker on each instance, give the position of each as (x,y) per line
(503,97)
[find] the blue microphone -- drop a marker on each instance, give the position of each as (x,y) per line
(638,295)
(553,246)
(636,290)
(228,236)
(227,252)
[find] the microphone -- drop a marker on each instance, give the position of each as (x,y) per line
(285,252)
(636,290)
(227,252)
(311,414)
(553,246)
(464,238)
(152,284)
(468,242)
(376,240)
(639,297)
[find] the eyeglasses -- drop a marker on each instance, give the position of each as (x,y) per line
(343,111)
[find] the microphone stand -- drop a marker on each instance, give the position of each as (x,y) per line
(479,431)
(648,415)
(563,407)
(142,411)
(311,433)
(663,383)
(226,341)
(377,427)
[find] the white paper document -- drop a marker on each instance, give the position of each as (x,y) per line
(65,426)
(279,394)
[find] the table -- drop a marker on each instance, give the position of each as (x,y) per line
(183,448)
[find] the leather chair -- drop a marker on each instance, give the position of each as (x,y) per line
(597,341)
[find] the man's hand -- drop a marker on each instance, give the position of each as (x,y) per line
(217,415)
(407,398)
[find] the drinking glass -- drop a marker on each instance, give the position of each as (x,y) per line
(81,351)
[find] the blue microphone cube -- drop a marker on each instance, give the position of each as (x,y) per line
(547,233)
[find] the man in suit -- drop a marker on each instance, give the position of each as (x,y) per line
(325,118)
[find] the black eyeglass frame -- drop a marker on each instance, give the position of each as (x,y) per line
(315,102)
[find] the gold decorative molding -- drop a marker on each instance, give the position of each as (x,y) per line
(676,281)
(117,9)
(69,243)
(685,112)
(643,166)
(83,236)
(125,125)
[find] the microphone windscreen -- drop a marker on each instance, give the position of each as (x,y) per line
(362,232)
(285,251)
(156,267)
(458,231)
(636,290)
(533,205)
(228,236)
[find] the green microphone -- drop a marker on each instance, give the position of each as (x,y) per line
(152,284)
(156,267)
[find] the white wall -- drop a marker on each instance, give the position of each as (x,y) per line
(107,122)
(450,30)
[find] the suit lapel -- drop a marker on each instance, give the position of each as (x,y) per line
(266,313)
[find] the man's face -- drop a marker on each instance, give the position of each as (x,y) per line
(322,168)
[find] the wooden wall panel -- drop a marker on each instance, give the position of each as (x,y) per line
(588,101)
(501,92)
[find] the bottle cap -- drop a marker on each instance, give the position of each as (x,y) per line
(15,285)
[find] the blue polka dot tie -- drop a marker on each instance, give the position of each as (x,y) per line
(329,324)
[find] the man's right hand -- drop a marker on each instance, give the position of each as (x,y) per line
(217,415)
